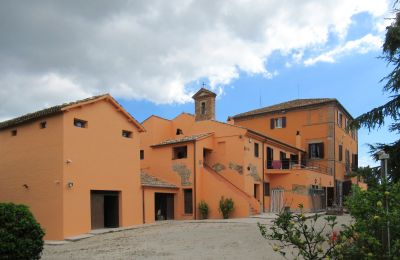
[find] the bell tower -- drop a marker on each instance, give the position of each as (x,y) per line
(204,101)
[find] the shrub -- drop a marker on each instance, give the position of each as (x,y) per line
(21,236)
(295,231)
(226,206)
(203,207)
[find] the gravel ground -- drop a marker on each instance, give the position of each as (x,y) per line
(233,239)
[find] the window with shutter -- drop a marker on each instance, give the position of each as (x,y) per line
(272,124)
(316,150)
(340,152)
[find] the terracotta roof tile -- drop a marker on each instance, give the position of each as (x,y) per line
(183,140)
(42,113)
(151,181)
(289,105)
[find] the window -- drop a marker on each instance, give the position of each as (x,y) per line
(80,123)
(179,132)
(203,108)
(141,154)
(188,198)
(354,162)
(347,158)
(126,134)
(270,157)
(266,188)
(13,132)
(43,124)
(346,123)
(256,152)
(180,152)
(340,152)
(340,119)
(279,122)
(316,150)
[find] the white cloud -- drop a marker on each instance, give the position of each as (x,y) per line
(57,50)
(367,161)
(363,45)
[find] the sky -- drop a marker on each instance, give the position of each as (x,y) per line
(152,56)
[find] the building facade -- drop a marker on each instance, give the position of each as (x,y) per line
(75,166)
(90,165)
(320,127)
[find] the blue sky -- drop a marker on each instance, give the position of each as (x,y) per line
(353,79)
(153,55)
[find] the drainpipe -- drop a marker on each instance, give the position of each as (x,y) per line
(334,158)
(194,182)
(143,209)
(263,185)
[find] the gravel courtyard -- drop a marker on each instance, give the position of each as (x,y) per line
(232,239)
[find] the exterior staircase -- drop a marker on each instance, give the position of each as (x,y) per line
(254,204)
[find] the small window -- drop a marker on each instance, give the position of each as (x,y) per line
(203,108)
(266,188)
(180,152)
(80,123)
(179,132)
(279,122)
(340,119)
(316,150)
(256,152)
(126,134)
(340,152)
(188,198)
(43,124)
(13,132)
(141,154)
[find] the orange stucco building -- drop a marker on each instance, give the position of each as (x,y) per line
(197,158)
(318,126)
(75,166)
(89,164)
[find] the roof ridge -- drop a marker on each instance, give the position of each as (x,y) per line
(290,104)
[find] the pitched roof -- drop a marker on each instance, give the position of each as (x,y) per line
(289,105)
(58,109)
(205,91)
(151,181)
(183,140)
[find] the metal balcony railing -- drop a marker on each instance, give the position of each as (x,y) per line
(290,164)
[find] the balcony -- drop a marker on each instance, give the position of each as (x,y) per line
(287,166)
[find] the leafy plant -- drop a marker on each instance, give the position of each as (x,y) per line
(226,207)
(203,208)
(368,208)
(21,236)
(294,231)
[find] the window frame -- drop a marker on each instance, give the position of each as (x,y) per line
(127,133)
(256,150)
(175,152)
(203,107)
(188,202)
(319,150)
(43,125)
(267,189)
(80,123)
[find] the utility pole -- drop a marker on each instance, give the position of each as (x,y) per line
(384,158)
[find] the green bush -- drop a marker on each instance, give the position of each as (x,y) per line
(203,207)
(21,237)
(226,207)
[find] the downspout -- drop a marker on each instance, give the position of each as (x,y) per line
(263,185)
(143,209)
(334,158)
(194,182)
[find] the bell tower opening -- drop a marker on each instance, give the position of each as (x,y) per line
(204,101)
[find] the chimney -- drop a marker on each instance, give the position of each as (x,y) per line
(204,102)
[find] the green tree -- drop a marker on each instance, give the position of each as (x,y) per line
(375,118)
(21,236)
